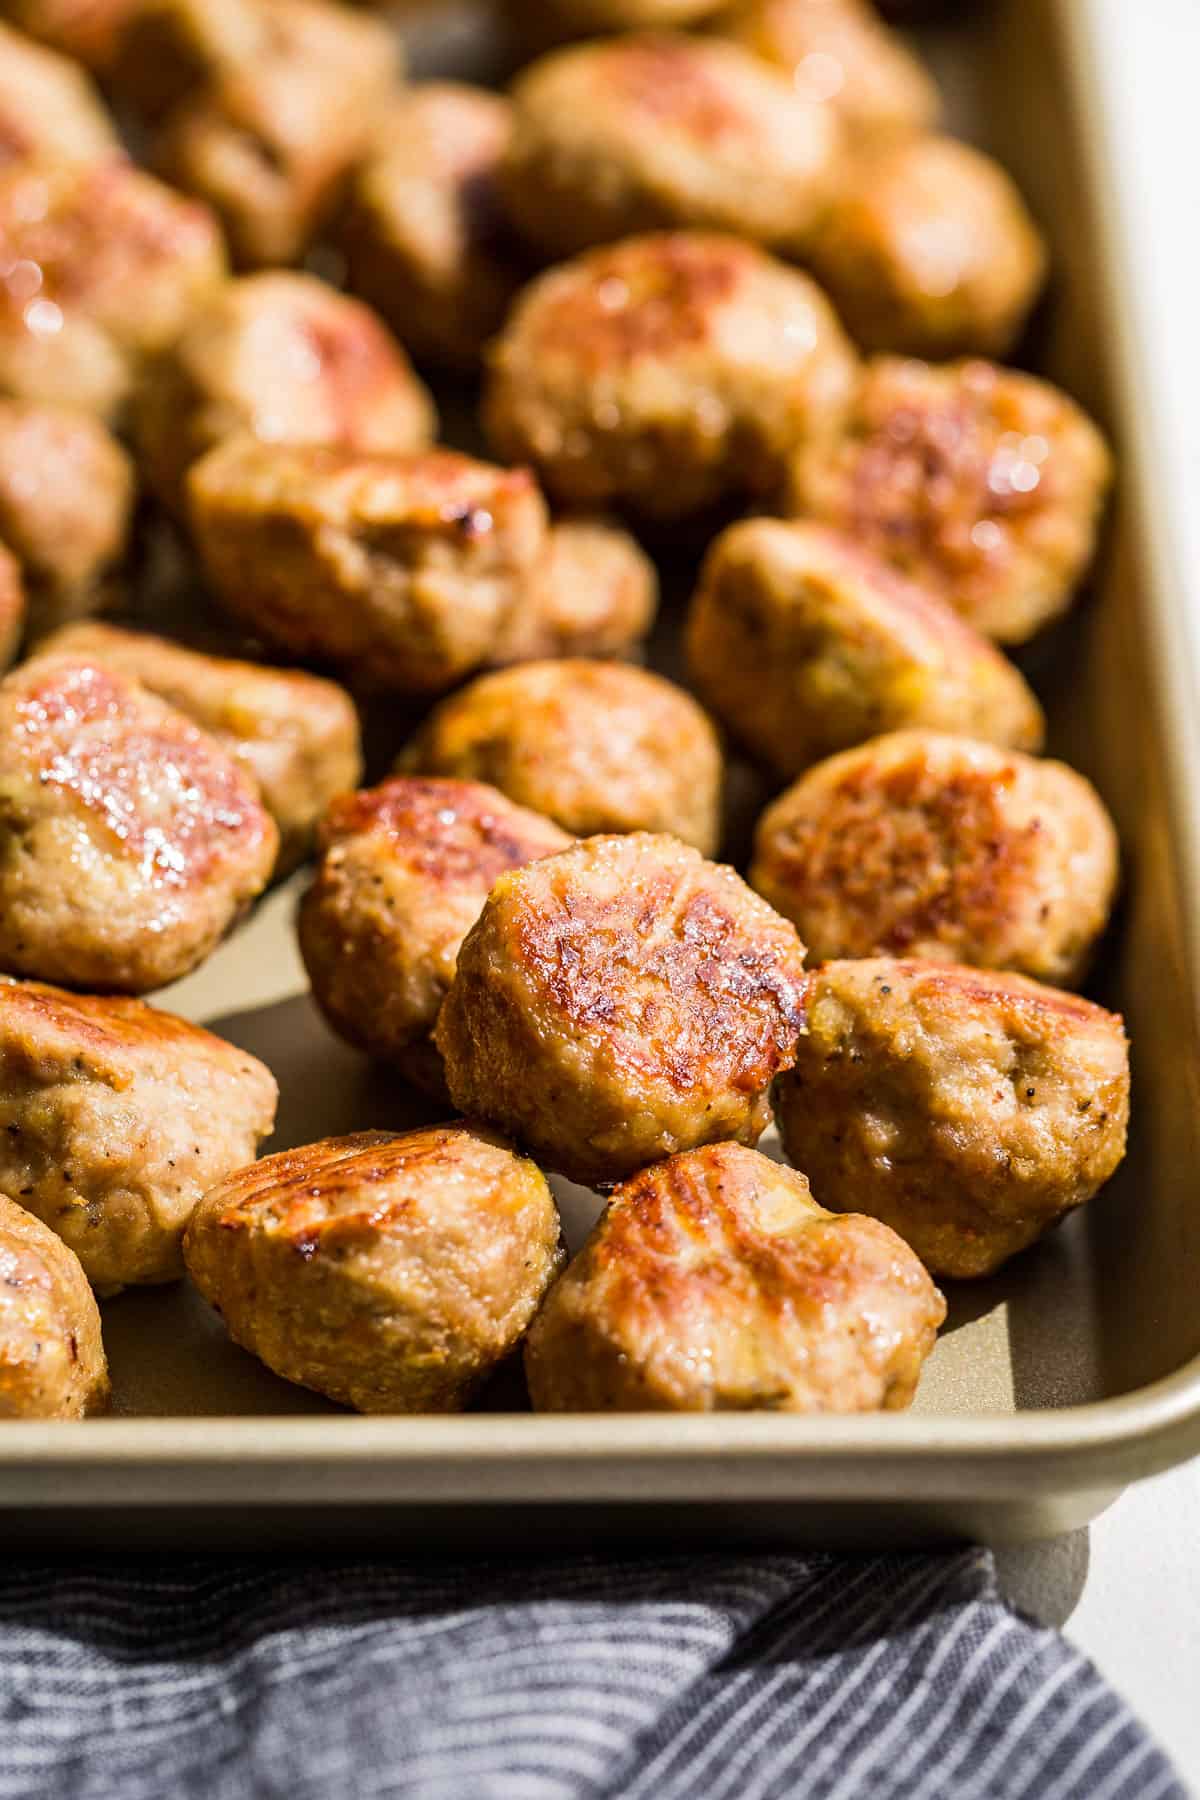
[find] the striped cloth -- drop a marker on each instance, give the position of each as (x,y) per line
(677,1678)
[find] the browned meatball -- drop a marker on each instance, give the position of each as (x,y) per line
(804,644)
(928,248)
(269,140)
(295,734)
(936,846)
(403,874)
(129,841)
(289,359)
(595,593)
(66,502)
(715,1283)
(115,1118)
(666,373)
(967,1110)
(983,484)
(639,133)
(598,746)
(622,1001)
(88,30)
(402,569)
(52,1362)
(425,238)
(390,1273)
(48,107)
(840,53)
(105,266)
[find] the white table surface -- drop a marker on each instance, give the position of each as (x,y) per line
(1127,1591)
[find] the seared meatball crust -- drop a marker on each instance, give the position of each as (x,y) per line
(67,492)
(115,1118)
(982,484)
(928,249)
(969,1111)
(403,874)
(840,54)
(713,1282)
(596,746)
(645,133)
(667,373)
(296,735)
(108,263)
(595,593)
(425,235)
(389,1273)
(290,360)
(52,1362)
(619,1002)
(922,844)
(804,644)
(400,569)
(48,107)
(130,842)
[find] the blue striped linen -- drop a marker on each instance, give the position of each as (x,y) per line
(712,1677)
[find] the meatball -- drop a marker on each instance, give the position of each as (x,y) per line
(391,1273)
(115,1119)
(595,593)
(928,249)
(52,1362)
(839,52)
(983,484)
(928,845)
(296,735)
(715,1283)
(637,133)
(87,30)
(105,264)
(425,238)
(66,504)
(403,874)
(130,841)
(967,1110)
(270,140)
(621,1001)
(804,644)
(401,569)
(292,361)
(48,107)
(667,373)
(597,746)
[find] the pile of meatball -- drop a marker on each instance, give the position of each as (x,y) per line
(714,287)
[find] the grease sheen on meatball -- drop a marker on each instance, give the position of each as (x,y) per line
(115,1118)
(597,746)
(805,644)
(52,1361)
(402,569)
(929,845)
(403,873)
(295,734)
(714,1282)
(983,484)
(425,237)
(666,373)
(969,1111)
(620,1001)
(642,133)
(130,841)
(390,1273)
(288,359)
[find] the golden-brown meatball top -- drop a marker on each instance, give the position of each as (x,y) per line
(714,1282)
(620,1001)
(52,1362)
(969,1111)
